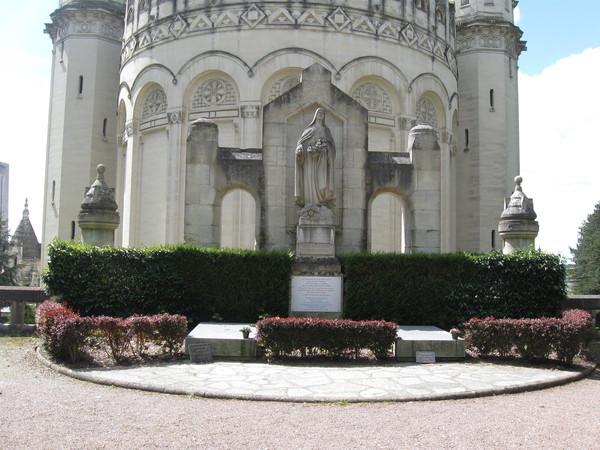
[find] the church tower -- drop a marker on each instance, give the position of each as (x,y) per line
(488,46)
(86,37)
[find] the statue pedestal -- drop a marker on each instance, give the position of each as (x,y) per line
(315,235)
(317,283)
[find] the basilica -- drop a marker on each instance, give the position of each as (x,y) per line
(195,108)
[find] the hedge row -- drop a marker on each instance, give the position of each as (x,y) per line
(446,289)
(68,336)
(202,284)
(310,337)
(240,286)
(532,339)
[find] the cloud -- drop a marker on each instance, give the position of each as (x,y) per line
(560,154)
(517,15)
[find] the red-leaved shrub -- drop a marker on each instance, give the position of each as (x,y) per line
(532,339)
(309,336)
(116,333)
(143,331)
(63,332)
(171,330)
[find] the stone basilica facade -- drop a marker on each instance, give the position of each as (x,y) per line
(195,108)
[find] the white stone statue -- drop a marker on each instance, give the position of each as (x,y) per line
(315,156)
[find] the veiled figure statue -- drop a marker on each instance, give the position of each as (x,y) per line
(315,156)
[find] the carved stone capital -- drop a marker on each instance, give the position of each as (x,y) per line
(250,111)
(175,117)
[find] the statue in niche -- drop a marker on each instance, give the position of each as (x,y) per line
(315,156)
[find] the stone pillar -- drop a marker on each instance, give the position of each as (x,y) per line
(200,179)
(130,205)
(174,229)
(98,218)
(518,227)
(426,198)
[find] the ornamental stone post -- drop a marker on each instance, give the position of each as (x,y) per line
(518,227)
(98,217)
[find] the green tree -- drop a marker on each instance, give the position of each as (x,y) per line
(586,273)
(8,270)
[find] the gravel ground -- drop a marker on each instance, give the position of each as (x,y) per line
(42,409)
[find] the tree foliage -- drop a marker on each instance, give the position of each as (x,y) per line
(586,273)
(8,270)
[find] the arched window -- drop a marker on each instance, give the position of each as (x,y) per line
(155,104)
(214,93)
(426,112)
(238,220)
(387,223)
(374,98)
(382,108)
(283,85)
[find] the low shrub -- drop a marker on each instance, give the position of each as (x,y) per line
(116,334)
(309,337)
(144,331)
(532,339)
(171,330)
(574,334)
(68,336)
(63,332)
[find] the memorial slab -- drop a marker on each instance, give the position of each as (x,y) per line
(413,339)
(225,339)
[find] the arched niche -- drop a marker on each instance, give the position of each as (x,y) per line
(388,219)
(237,219)
(382,102)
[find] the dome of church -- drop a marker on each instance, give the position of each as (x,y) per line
(213,96)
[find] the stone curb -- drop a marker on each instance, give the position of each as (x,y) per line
(569,377)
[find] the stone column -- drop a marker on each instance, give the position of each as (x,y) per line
(200,180)
(518,227)
(131,184)
(426,198)
(173,232)
(98,218)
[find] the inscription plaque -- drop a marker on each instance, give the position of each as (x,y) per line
(425,357)
(317,294)
(200,353)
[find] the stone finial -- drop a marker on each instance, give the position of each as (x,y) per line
(99,195)
(519,205)
(518,227)
(98,217)
(26,210)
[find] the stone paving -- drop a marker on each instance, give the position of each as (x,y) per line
(276,382)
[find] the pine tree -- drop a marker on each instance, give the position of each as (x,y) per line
(586,273)
(8,270)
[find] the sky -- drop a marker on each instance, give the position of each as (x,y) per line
(558,95)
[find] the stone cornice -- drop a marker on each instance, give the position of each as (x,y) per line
(280,16)
(98,21)
(489,35)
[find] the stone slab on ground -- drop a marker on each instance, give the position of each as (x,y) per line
(225,339)
(412,339)
(350,383)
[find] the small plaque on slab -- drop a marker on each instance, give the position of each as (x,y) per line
(425,357)
(200,353)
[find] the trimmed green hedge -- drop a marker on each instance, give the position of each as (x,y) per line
(239,286)
(202,284)
(448,289)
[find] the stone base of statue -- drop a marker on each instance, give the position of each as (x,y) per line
(315,235)
(316,273)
